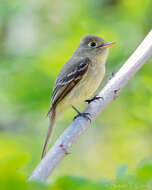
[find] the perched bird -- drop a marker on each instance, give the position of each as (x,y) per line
(78,79)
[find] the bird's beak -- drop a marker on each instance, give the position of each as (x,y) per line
(109,44)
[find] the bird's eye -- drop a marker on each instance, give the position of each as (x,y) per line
(92,44)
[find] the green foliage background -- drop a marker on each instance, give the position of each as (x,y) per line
(36,38)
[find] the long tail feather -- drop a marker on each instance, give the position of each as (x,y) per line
(51,125)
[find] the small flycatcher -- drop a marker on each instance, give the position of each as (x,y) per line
(79,78)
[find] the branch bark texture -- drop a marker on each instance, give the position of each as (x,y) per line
(108,94)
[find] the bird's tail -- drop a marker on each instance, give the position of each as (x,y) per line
(51,125)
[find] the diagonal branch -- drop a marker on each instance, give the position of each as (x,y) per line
(78,126)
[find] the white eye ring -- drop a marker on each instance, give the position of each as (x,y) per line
(92,44)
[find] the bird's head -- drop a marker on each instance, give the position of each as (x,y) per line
(93,46)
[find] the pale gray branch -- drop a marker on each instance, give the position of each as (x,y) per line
(108,93)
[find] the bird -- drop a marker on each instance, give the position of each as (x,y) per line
(78,79)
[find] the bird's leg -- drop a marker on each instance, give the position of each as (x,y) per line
(85,115)
(94,98)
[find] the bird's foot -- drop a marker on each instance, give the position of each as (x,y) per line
(85,115)
(94,98)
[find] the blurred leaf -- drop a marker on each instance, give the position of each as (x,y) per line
(77,183)
(144,170)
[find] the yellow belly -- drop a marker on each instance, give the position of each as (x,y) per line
(84,89)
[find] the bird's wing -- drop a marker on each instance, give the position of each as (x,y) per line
(68,82)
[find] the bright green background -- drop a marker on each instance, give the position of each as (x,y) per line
(36,39)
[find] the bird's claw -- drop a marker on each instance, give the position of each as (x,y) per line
(85,115)
(94,98)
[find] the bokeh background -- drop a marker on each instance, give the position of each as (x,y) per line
(36,38)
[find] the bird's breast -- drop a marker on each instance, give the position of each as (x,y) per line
(88,84)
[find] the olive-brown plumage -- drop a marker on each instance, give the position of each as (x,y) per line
(79,78)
